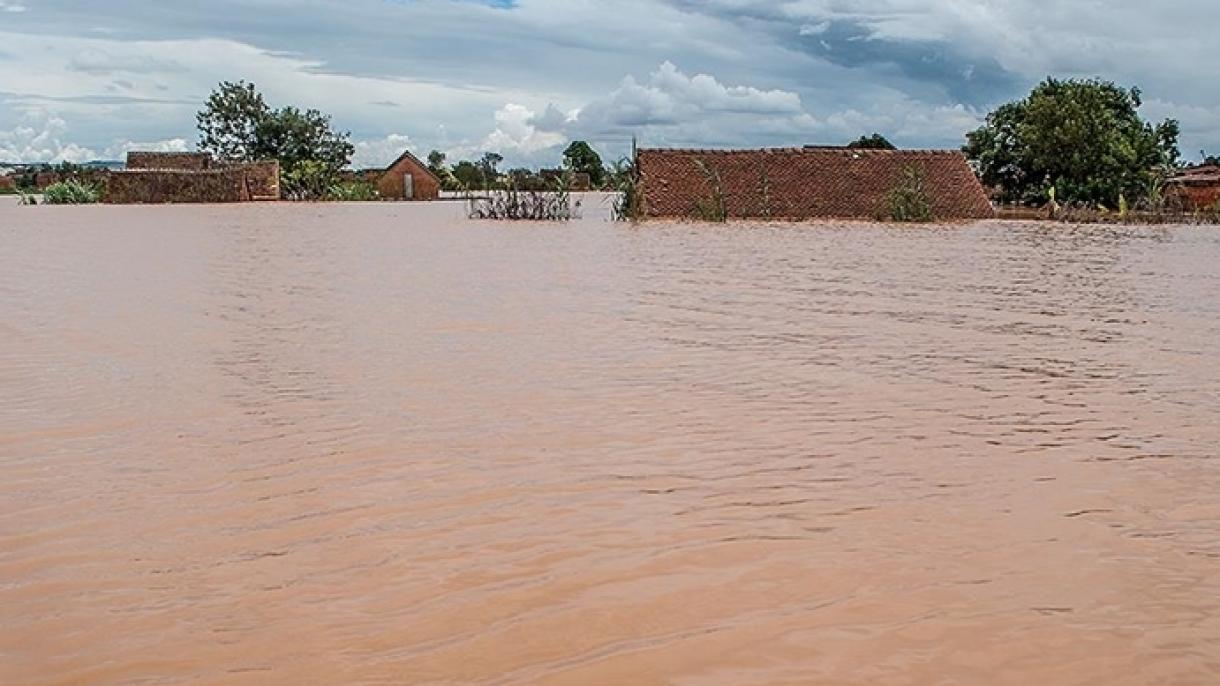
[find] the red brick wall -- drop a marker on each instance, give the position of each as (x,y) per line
(153,186)
(7,183)
(1197,197)
(392,186)
(262,179)
(803,183)
(169,160)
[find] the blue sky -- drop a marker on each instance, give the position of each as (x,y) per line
(81,79)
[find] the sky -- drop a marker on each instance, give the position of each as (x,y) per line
(83,80)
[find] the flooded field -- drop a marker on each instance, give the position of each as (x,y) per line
(381,444)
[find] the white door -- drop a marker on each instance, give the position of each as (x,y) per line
(408,187)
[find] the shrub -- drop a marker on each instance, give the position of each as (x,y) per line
(353,191)
(308,180)
(908,200)
(70,192)
(531,205)
(628,204)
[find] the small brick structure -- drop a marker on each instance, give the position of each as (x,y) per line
(392,184)
(1198,188)
(157,177)
(806,183)
(7,183)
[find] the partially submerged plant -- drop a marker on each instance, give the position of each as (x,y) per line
(628,204)
(713,208)
(908,200)
(764,190)
(353,191)
(70,192)
(516,204)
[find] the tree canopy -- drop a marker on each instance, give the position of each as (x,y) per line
(873,142)
(237,124)
(580,157)
(1084,138)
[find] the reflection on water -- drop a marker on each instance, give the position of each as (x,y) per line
(382,444)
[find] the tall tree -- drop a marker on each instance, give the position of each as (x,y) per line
(580,157)
(873,142)
(488,166)
(436,162)
(230,119)
(1085,139)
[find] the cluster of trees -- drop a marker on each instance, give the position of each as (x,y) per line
(1079,141)
(236,124)
(485,173)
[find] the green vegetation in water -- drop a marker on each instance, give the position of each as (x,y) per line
(714,208)
(516,204)
(628,203)
(353,191)
(908,200)
(70,192)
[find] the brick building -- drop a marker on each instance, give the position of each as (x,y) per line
(806,183)
(1197,187)
(178,177)
(408,179)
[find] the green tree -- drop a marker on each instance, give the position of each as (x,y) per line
(293,136)
(229,121)
(1084,139)
(468,175)
(873,142)
(436,162)
(580,157)
(488,166)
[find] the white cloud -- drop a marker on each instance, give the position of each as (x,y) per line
(516,132)
(381,152)
(11,7)
(42,141)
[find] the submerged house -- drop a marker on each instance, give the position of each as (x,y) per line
(806,183)
(1196,187)
(191,177)
(408,179)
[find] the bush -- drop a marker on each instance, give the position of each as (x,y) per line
(70,192)
(353,191)
(308,180)
(908,200)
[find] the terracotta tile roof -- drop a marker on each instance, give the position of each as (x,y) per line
(1203,174)
(811,182)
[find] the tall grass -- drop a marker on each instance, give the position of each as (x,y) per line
(516,204)
(713,208)
(908,200)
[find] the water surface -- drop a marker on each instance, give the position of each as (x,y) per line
(380,444)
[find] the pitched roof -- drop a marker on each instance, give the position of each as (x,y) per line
(812,182)
(406,155)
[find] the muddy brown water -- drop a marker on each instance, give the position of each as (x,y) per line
(380,444)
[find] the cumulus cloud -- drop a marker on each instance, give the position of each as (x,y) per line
(41,142)
(380,152)
(517,131)
(8,6)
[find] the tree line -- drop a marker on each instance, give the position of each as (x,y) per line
(1072,140)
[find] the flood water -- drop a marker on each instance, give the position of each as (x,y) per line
(381,444)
